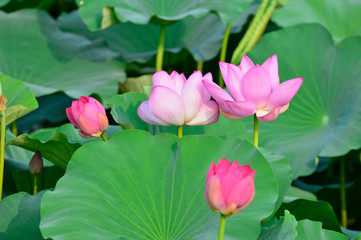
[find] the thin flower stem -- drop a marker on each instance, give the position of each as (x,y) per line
(2,150)
(160,52)
(35,184)
(104,137)
(222,58)
(222,227)
(255,131)
(200,66)
(343,192)
(180,131)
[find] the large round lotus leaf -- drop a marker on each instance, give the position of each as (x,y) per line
(324,117)
(27,55)
(20,99)
(139,186)
(341,18)
(202,37)
(20,217)
(141,11)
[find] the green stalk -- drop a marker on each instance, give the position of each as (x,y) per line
(240,50)
(105,139)
(261,26)
(2,150)
(200,66)
(180,131)
(343,192)
(222,58)
(255,131)
(222,227)
(35,184)
(160,52)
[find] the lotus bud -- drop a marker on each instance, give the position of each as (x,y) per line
(36,164)
(229,187)
(89,116)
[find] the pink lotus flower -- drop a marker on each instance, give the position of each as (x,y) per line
(253,89)
(177,101)
(89,116)
(229,187)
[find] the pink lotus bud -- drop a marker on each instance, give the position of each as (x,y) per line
(229,187)
(36,164)
(89,116)
(176,101)
(253,89)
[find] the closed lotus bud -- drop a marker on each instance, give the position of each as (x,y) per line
(36,164)
(89,116)
(229,187)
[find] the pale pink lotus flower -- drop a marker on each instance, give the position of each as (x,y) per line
(89,116)
(177,101)
(229,187)
(253,90)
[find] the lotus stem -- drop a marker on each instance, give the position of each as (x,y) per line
(222,58)
(200,66)
(255,131)
(222,227)
(252,35)
(343,192)
(180,131)
(259,28)
(2,150)
(160,52)
(104,137)
(35,184)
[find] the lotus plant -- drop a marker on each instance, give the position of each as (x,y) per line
(178,101)
(89,116)
(229,189)
(253,89)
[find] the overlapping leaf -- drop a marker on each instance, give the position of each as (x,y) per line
(34,51)
(20,217)
(141,11)
(200,36)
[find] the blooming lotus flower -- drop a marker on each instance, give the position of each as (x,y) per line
(253,90)
(177,101)
(229,187)
(89,116)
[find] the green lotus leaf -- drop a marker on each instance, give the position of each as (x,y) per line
(20,217)
(307,229)
(284,228)
(161,11)
(314,210)
(140,186)
(31,52)
(20,99)
(341,18)
(202,37)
